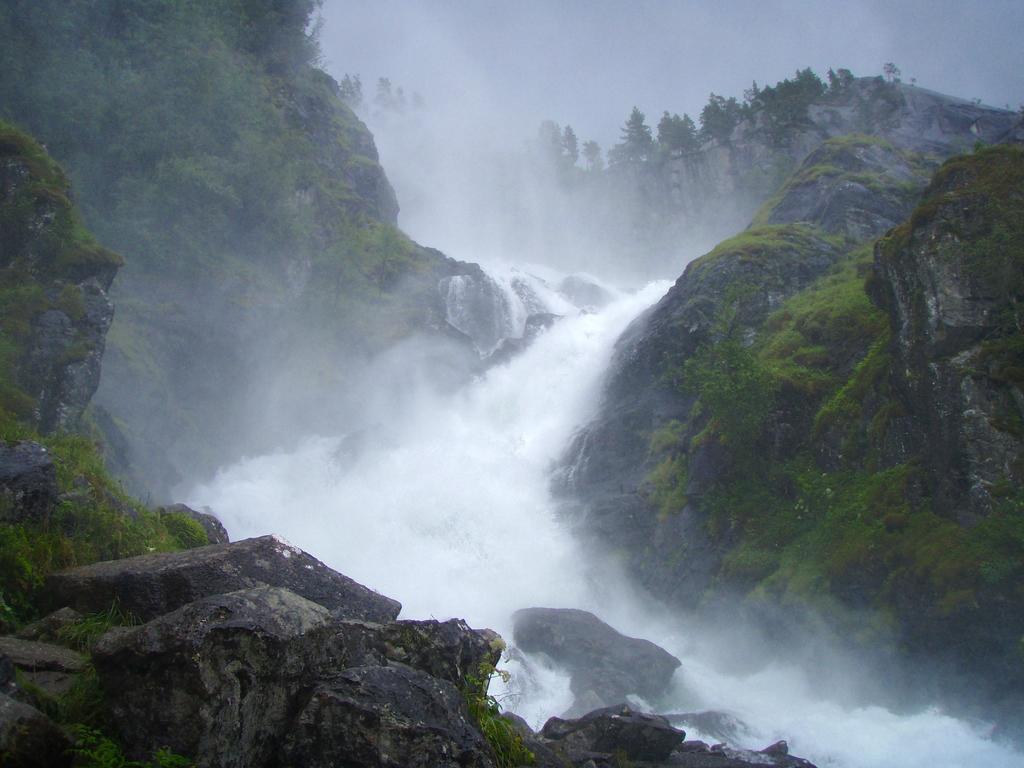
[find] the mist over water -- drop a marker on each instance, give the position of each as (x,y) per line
(447,508)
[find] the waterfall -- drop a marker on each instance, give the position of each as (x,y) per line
(448,510)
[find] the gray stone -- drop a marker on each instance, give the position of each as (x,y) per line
(385,716)
(29,739)
(214,680)
(599,659)
(614,730)
(151,585)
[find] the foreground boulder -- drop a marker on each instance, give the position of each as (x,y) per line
(385,716)
(51,668)
(247,674)
(615,731)
(605,666)
(28,482)
(226,668)
(29,739)
(152,585)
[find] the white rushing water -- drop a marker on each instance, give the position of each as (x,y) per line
(449,511)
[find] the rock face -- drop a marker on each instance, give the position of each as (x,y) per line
(604,664)
(152,585)
(57,312)
(856,186)
(951,280)
(28,482)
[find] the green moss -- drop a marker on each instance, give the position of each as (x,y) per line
(186,531)
(810,342)
(759,243)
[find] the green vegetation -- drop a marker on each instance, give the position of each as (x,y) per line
(485,712)
(762,243)
(94,750)
(45,251)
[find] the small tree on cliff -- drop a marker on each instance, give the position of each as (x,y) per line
(637,141)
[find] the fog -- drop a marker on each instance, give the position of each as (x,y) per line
(589,63)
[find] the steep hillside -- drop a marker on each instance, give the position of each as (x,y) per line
(809,421)
(247,199)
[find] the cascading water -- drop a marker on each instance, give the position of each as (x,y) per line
(449,511)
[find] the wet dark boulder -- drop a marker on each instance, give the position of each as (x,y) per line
(614,730)
(28,482)
(385,716)
(605,665)
(152,585)
(226,668)
(448,650)
(29,739)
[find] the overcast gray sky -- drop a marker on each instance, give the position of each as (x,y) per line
(588,63)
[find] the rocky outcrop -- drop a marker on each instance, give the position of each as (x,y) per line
(28,482)
(152,585)
(856,186)
(54,280)
(605,666)
(891,414)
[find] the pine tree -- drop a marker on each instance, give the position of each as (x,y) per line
(570,144)
(637,141)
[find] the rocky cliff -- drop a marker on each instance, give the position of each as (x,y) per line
(54,277)
(811,422)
